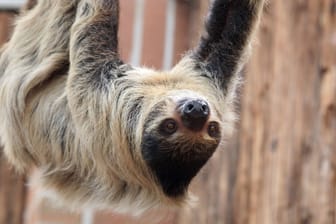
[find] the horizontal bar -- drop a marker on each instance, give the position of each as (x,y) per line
(11,4)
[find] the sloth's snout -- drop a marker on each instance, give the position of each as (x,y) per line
(195,113)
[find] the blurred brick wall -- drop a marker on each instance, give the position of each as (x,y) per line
(154,33)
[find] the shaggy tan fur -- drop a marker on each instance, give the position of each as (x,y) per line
(71,108)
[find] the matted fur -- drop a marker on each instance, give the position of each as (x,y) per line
(70,107)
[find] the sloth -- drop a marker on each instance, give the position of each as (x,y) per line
(107,134)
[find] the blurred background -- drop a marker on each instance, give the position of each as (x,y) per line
(279,168)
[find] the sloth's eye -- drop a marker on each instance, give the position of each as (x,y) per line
(169,126)
(213,129)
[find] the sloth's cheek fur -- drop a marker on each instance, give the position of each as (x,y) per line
(174,164)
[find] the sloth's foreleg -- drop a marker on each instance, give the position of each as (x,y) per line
(94,59)
(229,30)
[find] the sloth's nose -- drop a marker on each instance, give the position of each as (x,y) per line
(195,113)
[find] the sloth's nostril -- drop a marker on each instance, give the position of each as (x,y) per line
(190,107)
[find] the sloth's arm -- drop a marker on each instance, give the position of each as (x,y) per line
(228,31)
(94,45)
(94,58)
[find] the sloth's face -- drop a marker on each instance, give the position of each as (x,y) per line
(178,141)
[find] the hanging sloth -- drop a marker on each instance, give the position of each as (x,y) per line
(102,132)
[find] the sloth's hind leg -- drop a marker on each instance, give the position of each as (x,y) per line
(36,53)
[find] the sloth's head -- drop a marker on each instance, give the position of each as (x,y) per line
(179,136)
(178,119)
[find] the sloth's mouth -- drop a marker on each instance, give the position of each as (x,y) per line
(174,164)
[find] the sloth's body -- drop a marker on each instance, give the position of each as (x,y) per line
(102,132)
